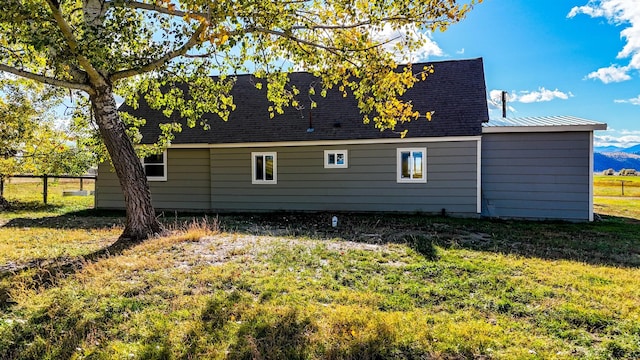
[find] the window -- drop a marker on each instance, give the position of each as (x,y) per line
(335,159)
(155,167)
(412,165)
(264,168)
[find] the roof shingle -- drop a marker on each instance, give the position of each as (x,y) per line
(455,92)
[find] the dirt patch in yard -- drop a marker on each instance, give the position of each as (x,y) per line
(366,228)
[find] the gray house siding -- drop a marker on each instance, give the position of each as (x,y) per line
(187,186)
(108,193)
(368,184)
(536,175)
(219,179)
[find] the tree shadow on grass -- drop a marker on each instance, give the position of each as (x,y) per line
(610,241)
(19,206)
(48,271)
(287,332)
(83,219)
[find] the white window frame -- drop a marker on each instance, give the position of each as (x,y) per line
(335,153)
(253,168)
(399,152)
(164,168)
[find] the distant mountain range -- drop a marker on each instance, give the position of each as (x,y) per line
(614,149)
(616,158)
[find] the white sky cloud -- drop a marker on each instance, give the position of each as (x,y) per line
(588,9)
(541,95)
(611,74)
(495,96)
(527,96)
(633,101)
(621,138)
(629,132)
(395,38)
(495,100)
(619,141)
(618,12)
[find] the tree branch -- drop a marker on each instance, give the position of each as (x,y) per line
(156,8)
(67,32)
(347,26)
(155,64)
(332,49)
(418,18)
(45,79)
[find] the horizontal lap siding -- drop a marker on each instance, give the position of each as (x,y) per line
(368,184)
(536,175)
(187,186)
(108,193)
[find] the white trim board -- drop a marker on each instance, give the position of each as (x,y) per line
(327,142)
(591,176)
(479,177)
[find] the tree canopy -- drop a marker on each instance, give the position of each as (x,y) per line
(98,48)
(30,141)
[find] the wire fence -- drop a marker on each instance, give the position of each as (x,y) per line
(45,182)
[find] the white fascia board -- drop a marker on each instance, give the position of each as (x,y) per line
(591,177)
(479,177)
(327,142)
(534,129)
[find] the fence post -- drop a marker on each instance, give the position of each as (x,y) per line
(45,188)
(1,186)
(81,184)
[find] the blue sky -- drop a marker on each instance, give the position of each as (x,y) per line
(557,57)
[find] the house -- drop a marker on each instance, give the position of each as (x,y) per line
(326,159)
(538,168)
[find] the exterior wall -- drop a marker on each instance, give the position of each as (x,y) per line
(368,184)
(187,186)
(537,175)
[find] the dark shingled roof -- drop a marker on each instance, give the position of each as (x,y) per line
(455,92)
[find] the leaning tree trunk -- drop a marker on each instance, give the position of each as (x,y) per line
(4,204)
(141,220)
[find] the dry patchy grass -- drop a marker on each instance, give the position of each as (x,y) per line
(288,286)
(613,185)
(300,298)
(27,200)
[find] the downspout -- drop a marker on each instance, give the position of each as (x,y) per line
(479,177)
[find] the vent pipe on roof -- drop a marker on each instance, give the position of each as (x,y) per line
(310,128)
(504,104)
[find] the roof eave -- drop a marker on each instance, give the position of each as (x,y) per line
(553,128)
(299,143)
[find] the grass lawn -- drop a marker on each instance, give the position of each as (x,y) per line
(288,286)
(613,185)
